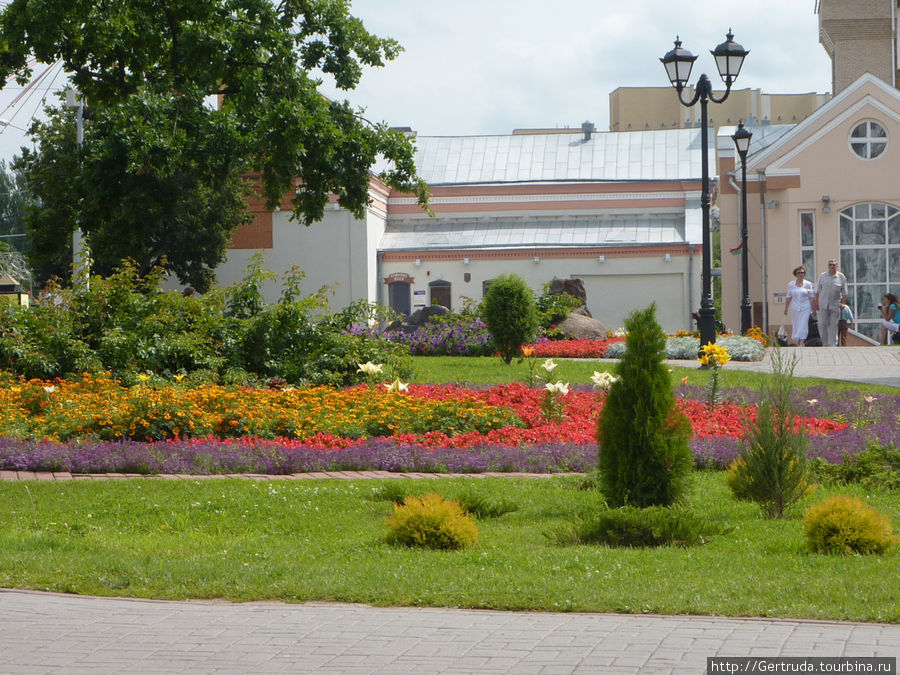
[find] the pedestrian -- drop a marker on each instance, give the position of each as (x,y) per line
(800,294)
(890,312)
(831,293)
(844,324)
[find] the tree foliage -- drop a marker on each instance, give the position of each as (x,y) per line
(645,459)
(510,314)
(159,172)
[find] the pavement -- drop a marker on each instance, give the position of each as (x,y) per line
(57,633)
(54,633)
(871,365)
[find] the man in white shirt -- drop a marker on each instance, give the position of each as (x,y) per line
(831,293)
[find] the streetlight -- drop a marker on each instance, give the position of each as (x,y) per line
(741,138)
(678,62)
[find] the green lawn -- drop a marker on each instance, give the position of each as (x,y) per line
(321,540)
(492,370)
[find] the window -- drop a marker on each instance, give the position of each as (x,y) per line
(439,292)
(870,259)
(808,242)
(868,140)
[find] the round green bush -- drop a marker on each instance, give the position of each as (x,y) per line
(510,314)
(845,525)
(431,522)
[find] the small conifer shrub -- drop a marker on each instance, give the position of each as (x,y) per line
(645,459)
(510,313)
(432,522)
(772,468)
(845,525)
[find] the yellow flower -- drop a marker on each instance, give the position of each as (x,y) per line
(180,377)
(143,377)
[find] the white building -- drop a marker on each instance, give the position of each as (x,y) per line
(620,211)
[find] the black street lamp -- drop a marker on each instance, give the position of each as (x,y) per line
(678,62)
(741,138)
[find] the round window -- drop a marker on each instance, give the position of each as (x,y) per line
(868,140)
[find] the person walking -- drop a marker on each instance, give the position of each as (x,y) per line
(800,294)
(844,324)
(831,293)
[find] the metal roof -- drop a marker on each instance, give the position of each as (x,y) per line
(614,230)
(670,154)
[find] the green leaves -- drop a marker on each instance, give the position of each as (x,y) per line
(158,160)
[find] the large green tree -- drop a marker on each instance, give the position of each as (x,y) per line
(160,171)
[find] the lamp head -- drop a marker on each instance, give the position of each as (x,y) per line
(741,138)
(729,58)
(678,63)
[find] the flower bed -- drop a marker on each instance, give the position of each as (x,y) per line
(430,428)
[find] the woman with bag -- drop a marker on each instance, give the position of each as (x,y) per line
(801,301)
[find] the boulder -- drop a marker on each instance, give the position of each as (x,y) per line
(577,326)
(419,318)
(573,287)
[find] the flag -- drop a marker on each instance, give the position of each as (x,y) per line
(737,250)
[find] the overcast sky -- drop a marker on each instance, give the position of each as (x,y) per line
(489,66)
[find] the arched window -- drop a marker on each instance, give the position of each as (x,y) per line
(870,258)
(439,292)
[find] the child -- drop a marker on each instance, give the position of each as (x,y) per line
(844,323)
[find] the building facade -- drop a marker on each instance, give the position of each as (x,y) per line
(824,188)
(621,212)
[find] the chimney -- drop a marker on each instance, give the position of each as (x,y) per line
(588,129)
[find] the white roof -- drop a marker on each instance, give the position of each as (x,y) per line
(613,230)
(670,154)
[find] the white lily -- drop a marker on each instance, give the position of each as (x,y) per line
(557,387)
(603,381)
(369,368)
(397,386)
(548,365)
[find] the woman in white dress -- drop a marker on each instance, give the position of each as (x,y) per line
(801,301)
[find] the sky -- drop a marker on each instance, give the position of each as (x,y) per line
(491,66)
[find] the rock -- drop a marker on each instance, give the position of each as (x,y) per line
(577,326)
(419,318)
(574,287)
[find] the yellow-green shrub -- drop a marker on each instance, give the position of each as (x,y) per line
(845,525)
(432,522)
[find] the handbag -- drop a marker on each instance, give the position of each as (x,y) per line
(781,333)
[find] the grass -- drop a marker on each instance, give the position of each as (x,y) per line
(492,370)
(322,540)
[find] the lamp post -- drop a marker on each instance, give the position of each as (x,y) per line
(678,62)
(741,138)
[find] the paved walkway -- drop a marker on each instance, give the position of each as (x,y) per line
(872,365)
(52,633)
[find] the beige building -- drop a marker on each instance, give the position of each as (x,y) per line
(824,188)
(642,108)
(860,37)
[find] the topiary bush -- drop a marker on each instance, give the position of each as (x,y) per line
(432,522)
(510,314)
(845,525)
(644,459)
(772,468)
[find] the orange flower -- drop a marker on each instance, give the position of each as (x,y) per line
(527,350)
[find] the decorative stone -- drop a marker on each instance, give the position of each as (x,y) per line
(580,327)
